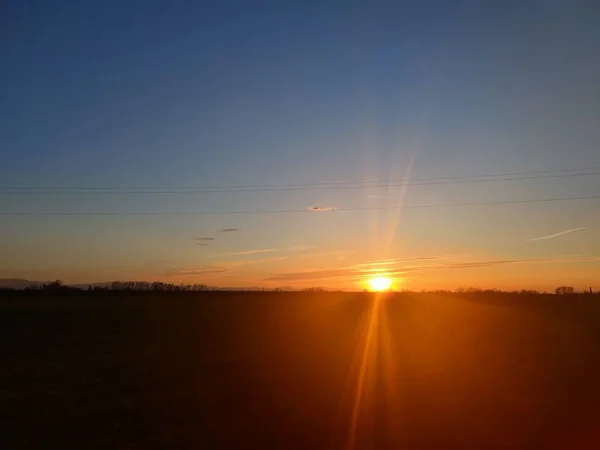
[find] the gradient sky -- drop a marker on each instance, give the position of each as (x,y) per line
(157,94)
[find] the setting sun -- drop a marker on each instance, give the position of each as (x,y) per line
(380,284)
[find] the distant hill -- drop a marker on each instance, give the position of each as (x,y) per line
(19,283)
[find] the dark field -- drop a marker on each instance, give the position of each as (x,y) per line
(300,371)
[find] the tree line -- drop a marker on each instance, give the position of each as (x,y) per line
(136,286)
(157,286)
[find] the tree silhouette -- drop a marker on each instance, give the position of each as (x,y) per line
(564,290)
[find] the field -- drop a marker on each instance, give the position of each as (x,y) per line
(283,370)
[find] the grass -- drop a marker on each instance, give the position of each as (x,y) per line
(280,370)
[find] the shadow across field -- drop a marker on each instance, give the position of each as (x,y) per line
(299,371)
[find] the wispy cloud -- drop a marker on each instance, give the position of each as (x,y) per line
(204,239)
(265,250)
(247,262)
(375,264)
(337,253)
(207,270)
(320,208)
(551,236)
(497,262)
(472,264)
(381,267)
(250,252)
(229,230)
(375,196)
(359,272)
(568,258)
(389,262)
(311,275)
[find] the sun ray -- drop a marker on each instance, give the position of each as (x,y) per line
(368,353)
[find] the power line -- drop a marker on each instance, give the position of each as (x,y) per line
(273,188)
(535,172)
(293,211)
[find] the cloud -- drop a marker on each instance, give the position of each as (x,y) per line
(388,262)
(551,236)
(320,208)
(337,253)
(341,272)
(568,258)
(372,267)
(250,252)
(497,262)
(299,247)
(359,272)
(312,275)
(251,261)
(468,265)
(463,265)
(229,230)
(375,196)
(204,239)
(207,270)
(265,250)
(201,243)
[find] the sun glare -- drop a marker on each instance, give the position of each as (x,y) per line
(380,284)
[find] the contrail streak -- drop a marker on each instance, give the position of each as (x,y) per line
(555,234)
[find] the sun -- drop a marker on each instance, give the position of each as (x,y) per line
(380,284)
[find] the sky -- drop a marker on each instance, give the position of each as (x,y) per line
(361,127)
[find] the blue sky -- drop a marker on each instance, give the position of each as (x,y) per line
(161,94)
